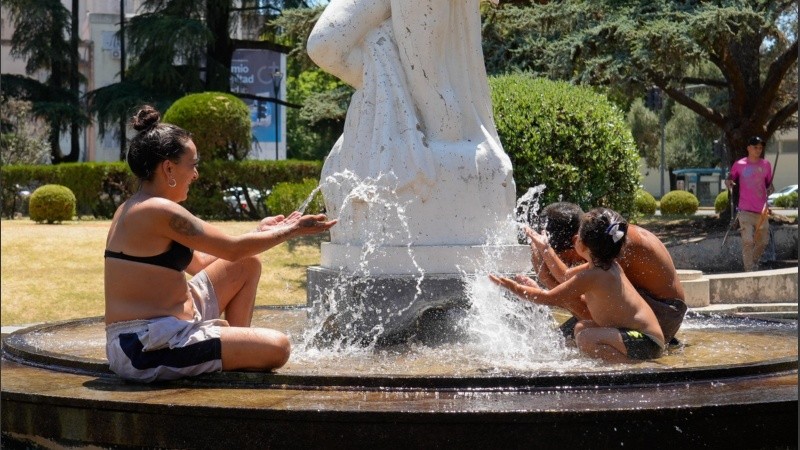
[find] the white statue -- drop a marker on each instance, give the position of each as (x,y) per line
(420,121)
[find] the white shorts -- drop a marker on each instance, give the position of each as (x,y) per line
(167,348)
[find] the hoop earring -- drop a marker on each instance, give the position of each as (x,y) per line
(172,183)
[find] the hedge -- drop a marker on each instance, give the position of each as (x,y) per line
(569,138)
(100,187)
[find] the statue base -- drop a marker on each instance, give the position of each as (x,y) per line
(393,294)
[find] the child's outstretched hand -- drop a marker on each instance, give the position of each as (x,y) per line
(526,291)
(539,241)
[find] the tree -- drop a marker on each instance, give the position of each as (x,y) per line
(646,131)
(744,50)
(46,34)
(178,47)
(23,139)
(689,140)
(320,121)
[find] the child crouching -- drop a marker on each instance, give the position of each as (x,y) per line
(624,327)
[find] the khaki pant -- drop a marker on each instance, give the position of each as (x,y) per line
(754,238)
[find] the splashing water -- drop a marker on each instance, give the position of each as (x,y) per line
(496,333)
(302,208)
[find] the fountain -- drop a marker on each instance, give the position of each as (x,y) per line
(419,178)
(404,342)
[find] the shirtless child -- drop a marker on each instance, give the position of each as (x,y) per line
(622,326)
(644,259)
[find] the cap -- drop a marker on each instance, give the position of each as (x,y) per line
(756,140)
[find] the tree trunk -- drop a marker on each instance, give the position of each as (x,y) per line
(74,86)
(220,51)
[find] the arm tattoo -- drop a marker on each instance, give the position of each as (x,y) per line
(185,226)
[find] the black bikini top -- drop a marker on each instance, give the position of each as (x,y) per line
(177,257)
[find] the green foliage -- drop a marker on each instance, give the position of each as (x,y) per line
(646,131)
(744,52)
(205,197)
(569,138)
(42,30)
(219,123)
(52,203)
(690,140)
(721,203)
(319,123)
(287,197)
(644,203)
(100,188)
(787,201)
(679,203)
(177,47)
(23,139)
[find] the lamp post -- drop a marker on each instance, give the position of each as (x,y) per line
(276,86)
(655,102)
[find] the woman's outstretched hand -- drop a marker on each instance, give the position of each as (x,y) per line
(269,222)
(297,223)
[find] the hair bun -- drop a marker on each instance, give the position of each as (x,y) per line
(145,118)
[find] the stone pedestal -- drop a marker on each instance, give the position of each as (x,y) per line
(393,293)
(696,288)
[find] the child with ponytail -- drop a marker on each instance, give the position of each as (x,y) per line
(623,327)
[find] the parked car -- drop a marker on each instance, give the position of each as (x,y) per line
(235,198)
(785,191)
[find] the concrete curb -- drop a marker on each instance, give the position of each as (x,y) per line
(709,255)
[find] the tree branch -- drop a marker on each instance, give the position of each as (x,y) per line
(713,82)
(261,45)
(266,99)
(707,113)
(777,70)
(780,117)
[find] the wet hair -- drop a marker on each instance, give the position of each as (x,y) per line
(563,220)
(604,232)
(155,142)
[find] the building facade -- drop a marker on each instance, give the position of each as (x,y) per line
(100,62)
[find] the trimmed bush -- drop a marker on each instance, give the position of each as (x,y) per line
(570,138)
(679,203)
(787,201)
(101,187)
(721,202)
(644,203)
(52,203)
(287,197)
(219,123)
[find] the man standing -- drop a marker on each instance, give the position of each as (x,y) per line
(753,175)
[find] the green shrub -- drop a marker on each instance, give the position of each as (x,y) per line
(219,123)
(287,197)
(205,197)
(721,202)
(787,201)
(679,203)
(52,203)
(569,138)
(101,187)
(644,203)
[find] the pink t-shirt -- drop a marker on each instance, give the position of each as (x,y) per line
(753,180)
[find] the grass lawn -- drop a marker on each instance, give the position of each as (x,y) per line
(55,272)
